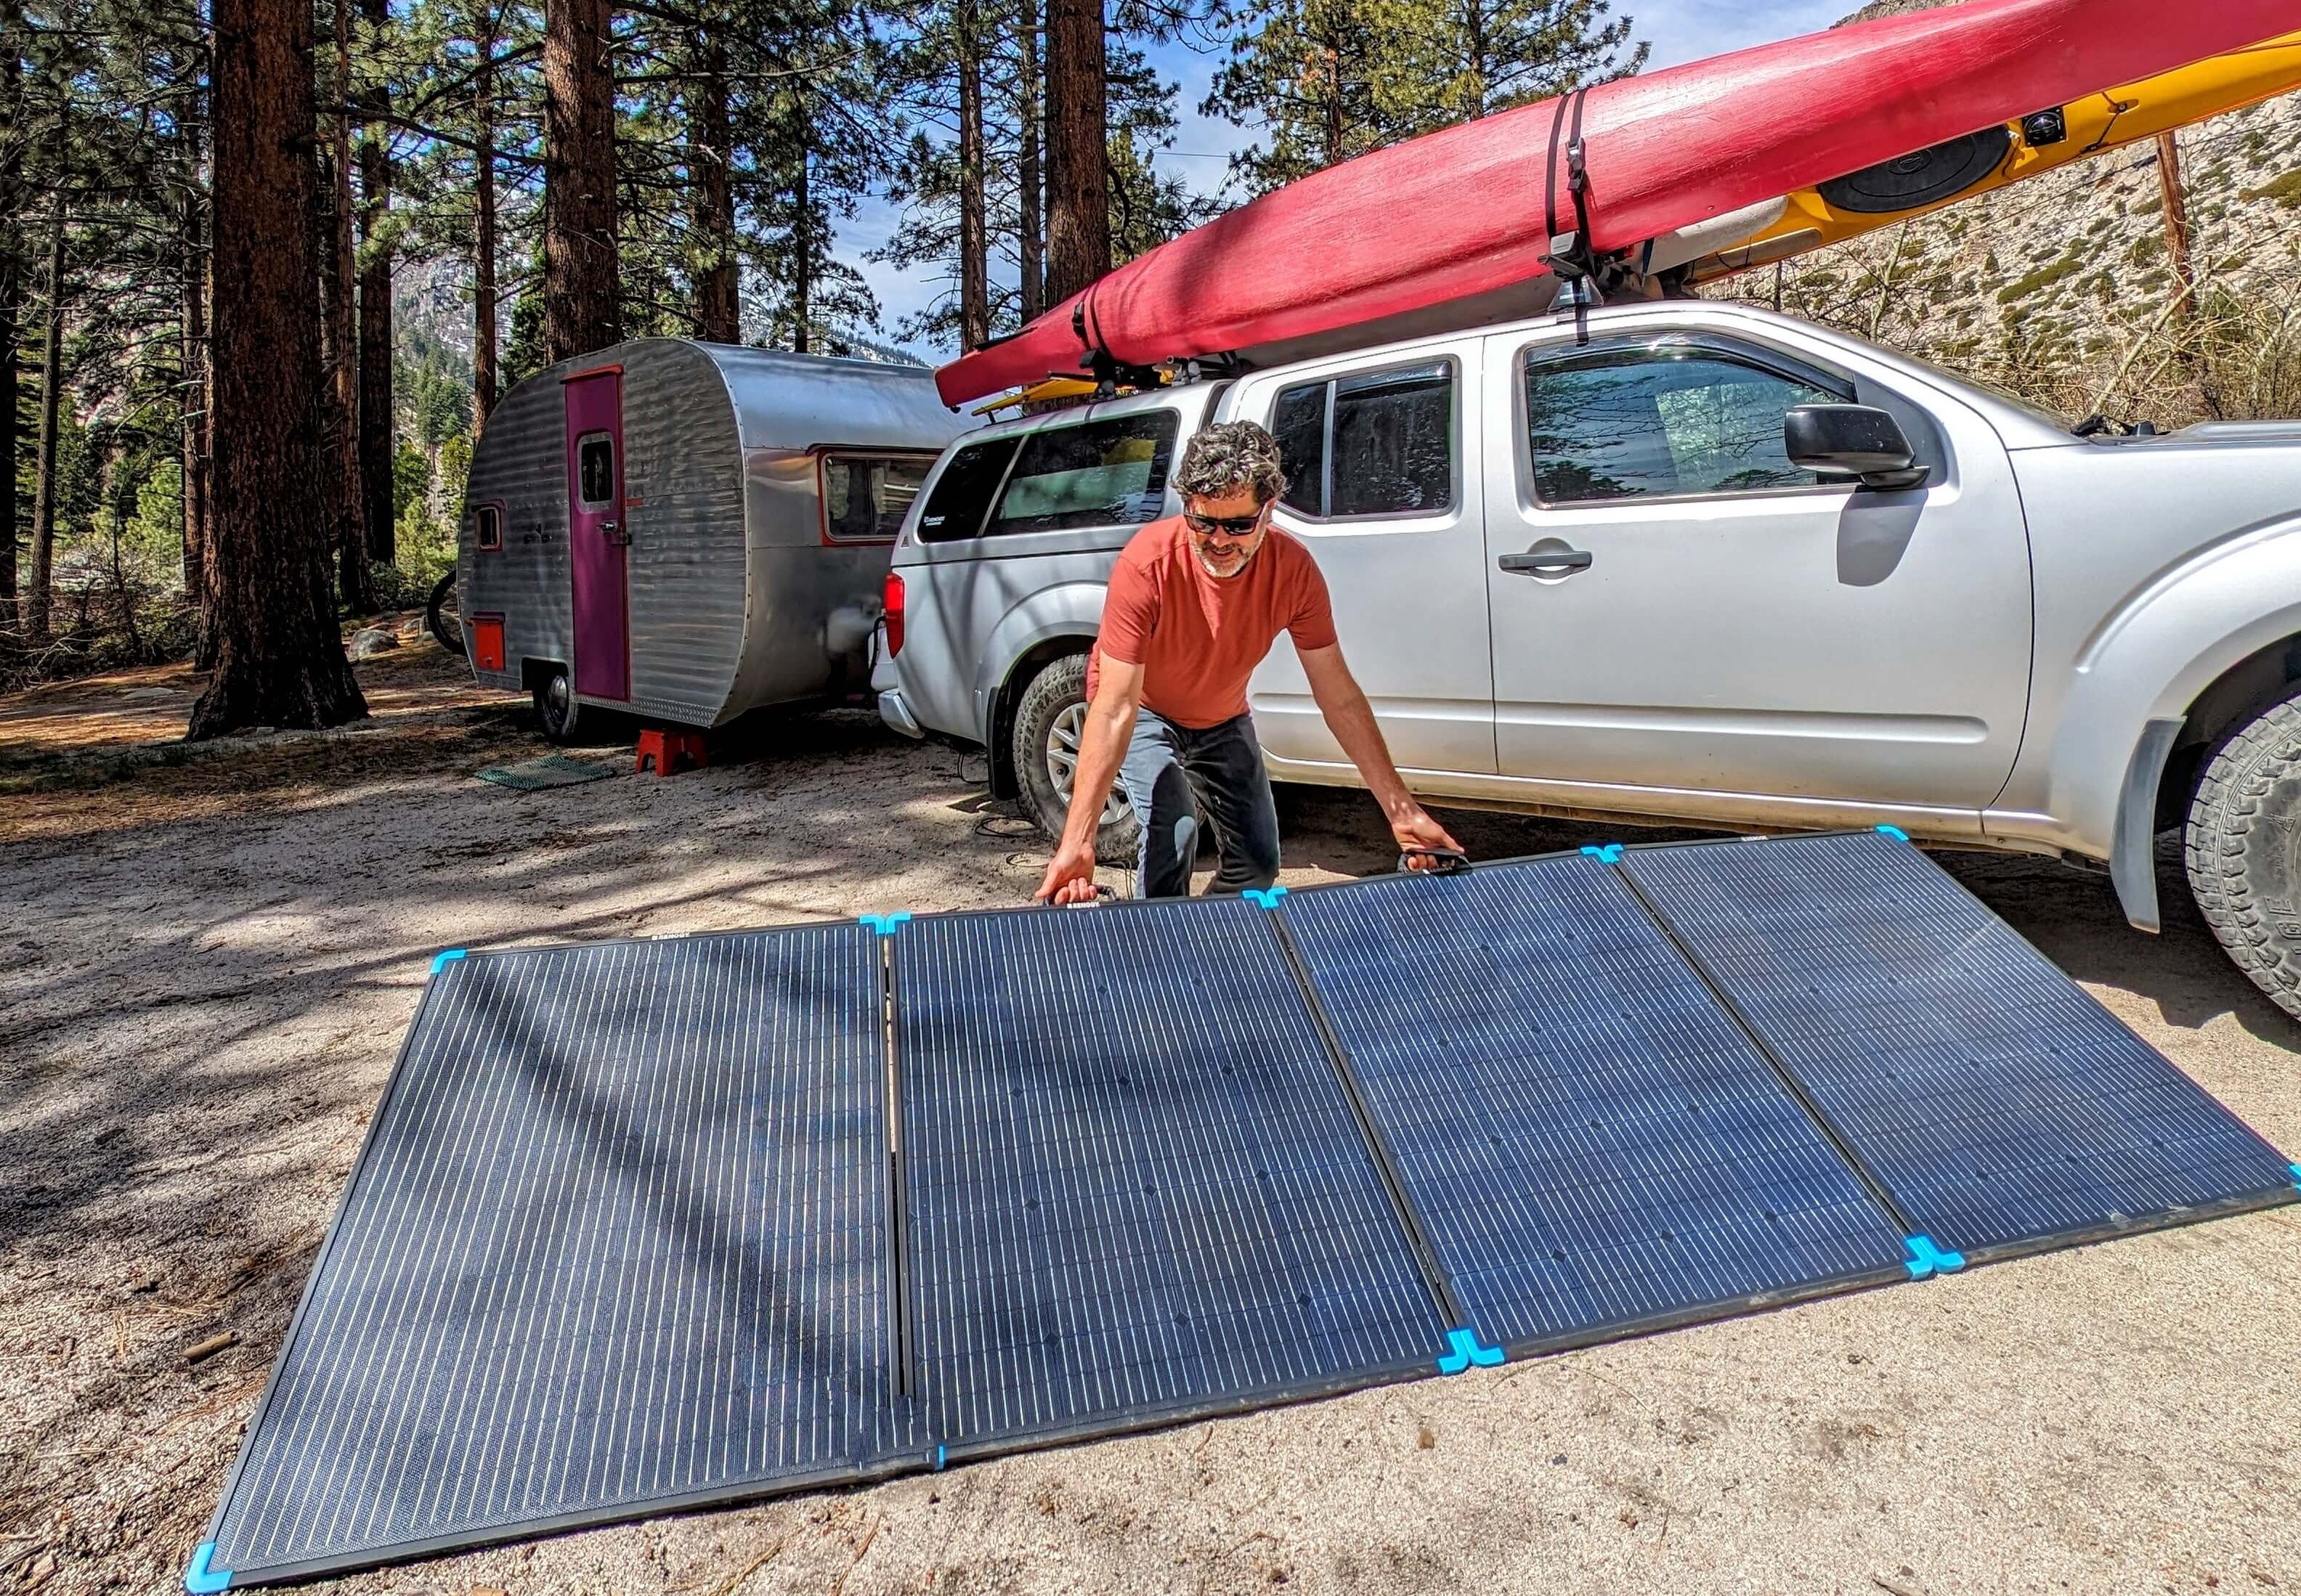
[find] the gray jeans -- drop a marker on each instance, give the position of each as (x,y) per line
(1178,779)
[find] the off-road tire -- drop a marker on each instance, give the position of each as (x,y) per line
(1059,688)
(558,715)
(2242,845)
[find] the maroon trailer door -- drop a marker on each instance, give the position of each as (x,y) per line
(596,538)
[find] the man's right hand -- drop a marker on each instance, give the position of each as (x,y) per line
(1070,876)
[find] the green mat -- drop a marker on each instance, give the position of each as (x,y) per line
(552,770)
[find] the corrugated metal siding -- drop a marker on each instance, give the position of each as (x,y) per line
(521,464)
(811,608)
(683,504)
(734,602)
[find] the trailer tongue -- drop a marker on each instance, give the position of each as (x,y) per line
(1461,225)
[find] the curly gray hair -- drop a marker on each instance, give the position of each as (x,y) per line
(1230,456)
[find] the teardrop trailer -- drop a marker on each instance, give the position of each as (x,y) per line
(687,532)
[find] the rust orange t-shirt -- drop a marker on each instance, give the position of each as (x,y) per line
(1197,639)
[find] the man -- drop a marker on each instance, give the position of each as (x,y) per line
(1194,604)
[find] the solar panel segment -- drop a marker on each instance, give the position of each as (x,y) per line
(1592,1144)
(618,1240)
(2000,1106)
(1134,1186)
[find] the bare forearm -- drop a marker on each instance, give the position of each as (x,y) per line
(1103,746)
(1351,718)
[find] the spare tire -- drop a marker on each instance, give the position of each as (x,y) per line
(442,619)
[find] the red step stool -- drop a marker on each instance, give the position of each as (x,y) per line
(666,751)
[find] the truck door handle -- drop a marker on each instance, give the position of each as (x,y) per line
(1553,562)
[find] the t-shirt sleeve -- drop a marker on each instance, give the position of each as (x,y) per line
(1312,623)
(1129,614)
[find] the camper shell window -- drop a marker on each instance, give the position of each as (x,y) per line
(1101,473)
(962,494)
(865,496)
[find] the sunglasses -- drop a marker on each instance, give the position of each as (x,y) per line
(1229,526)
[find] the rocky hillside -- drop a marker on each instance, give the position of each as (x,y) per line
(2062,288)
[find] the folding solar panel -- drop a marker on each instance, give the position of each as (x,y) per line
(617,1241)
(2000,1107)
(1592,1144)
(1135,1188)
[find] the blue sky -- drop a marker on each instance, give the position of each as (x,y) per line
(1679,31)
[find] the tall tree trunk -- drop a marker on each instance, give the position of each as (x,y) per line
(1078,190)
(280,660)
(343,352)
(193,334)
(579,311)
(1334,131)
(12,288)
(802,244)
(1030,231)
(483,227)
(718,314)
(52,377)
(974,263)
(375,322)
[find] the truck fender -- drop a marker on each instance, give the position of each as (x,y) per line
(1072,609)
(2136,678)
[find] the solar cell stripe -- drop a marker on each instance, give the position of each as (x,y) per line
(1135,1186)
(2000,1105)
(1592,1143)
(618,1237)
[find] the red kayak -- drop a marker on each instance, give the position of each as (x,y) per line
(1455,228)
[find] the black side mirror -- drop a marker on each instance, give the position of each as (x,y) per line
(1850,440)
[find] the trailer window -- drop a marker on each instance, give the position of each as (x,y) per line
(865,496)
(595,470)
(1101,473)
(487,527)
(962,494)
(1372,443)
(1661,421)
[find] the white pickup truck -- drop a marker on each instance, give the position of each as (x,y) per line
(1692,560)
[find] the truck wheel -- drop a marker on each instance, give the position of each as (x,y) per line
(2243,848)
(557,710)
(1047,723)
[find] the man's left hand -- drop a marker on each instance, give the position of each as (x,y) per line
(1414,829)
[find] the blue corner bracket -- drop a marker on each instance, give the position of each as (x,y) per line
(1264,897)
(1925,1259)
(2296,1168)
(886,924)
(1463,1349)
(200,1579)
(447,957)
(1612,854)
(940,1457)
(1896,832)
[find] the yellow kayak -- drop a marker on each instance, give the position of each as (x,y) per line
(2004,154)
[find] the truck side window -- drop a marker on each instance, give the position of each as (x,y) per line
(1373,443)
(865,496)
(962,494)
(1651,421)
(1108,473)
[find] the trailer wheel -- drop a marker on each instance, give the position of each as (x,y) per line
(441,617)
(1048,725)
(556,711)
(2243,848)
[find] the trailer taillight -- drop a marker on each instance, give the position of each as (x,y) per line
(894,615)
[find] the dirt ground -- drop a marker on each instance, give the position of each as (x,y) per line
(210,959)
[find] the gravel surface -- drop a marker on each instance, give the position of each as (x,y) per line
(210,967)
